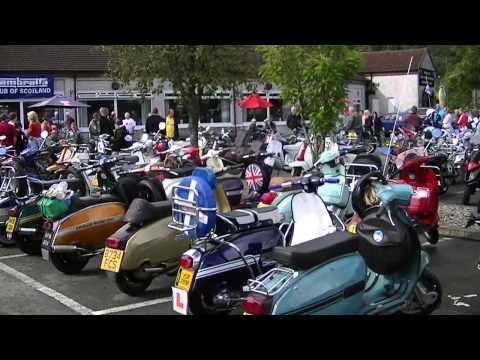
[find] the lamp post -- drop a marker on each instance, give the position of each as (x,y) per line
(268,87)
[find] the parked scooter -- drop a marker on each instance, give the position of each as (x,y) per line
(215,268)
(381,271)
(472,168)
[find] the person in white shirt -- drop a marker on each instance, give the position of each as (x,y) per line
(448,120)
(129,123)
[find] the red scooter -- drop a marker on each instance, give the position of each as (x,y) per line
(424,202)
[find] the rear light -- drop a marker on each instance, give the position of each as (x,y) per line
(268,198)
(256,304)
(48,226)
(113,243)
(13,212)
(186,262)
(472,166)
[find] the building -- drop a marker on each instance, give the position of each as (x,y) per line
(79,71)
(386,73)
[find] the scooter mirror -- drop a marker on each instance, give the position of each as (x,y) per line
(129,138)
(44,134)
(437,133)
(2,137)
(162,126)
(3,151)
(144,138)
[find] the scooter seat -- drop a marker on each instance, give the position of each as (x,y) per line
(142,212)
(357,150)
(311,253)
(245,219)
(182,172)
(79,203)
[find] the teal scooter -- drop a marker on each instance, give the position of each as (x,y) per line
(382,270)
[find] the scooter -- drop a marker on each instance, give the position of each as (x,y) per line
(472,168)
(71,239)
(381,271)
(213,271)
(145,247)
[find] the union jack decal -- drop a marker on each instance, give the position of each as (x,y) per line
(254,177)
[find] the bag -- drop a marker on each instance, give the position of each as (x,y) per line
(53,209)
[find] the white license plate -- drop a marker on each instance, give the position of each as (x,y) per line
(46,242)
(180,301)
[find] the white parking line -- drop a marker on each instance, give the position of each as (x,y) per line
(12,256)
(132,306)
(70,303)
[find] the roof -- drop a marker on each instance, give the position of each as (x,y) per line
(52,58)
(393,61)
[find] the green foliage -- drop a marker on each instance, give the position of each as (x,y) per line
(192,70)
(315,77)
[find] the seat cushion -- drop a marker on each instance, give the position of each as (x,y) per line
(79,203)
(141,212)
(245,219)
(314,252)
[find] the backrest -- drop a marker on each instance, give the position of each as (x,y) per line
(311,218)
(206,174)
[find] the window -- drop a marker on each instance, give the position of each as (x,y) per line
(86,114)
(181,115)
(8,107)
(138,109)
(215,111)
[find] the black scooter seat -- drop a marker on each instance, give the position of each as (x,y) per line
(142,212)
(357,150)
(79,203)
(311,253)
(182,172)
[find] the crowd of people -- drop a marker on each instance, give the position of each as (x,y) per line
(103,122)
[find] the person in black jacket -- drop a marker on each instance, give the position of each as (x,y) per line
(106,125)
(153,121)
(119,142)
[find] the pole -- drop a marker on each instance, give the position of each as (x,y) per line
(268,109)
(396,119)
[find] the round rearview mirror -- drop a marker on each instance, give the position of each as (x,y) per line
(3,151)
(44,134)
(144,138)
(162,126)
(128,138)
(2,137)
(437,133)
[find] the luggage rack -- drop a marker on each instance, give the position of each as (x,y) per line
(186,213)
(257,285)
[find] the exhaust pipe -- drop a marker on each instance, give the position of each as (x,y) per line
(65,249)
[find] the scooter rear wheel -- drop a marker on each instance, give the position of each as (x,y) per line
(130,285)
(4,241)
(68,263)
(30,245)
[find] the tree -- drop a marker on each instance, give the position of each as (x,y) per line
(194,71)
(315,77)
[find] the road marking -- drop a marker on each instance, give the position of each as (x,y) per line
(12,256)
(439,241)
(132,306)
(70,303)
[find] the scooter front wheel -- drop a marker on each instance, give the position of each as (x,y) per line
(427,296)
(68,263)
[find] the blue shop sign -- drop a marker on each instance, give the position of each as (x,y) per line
(26,86)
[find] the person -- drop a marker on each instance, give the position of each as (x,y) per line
(294,121)
(170,123)
(462,119)
(94,126)
(8,131)
(448,120)
(22,140)
(153,122)
(73,133)
(413,121)
(34,130)
(377,127)
(357,125)
(53,138)
(119,142)
(106,126)
(47,124)
(367,123)
(129,123)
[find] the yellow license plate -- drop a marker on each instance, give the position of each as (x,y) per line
(352,228)
(112,259)
(184,279)
(11,224)
(94,181)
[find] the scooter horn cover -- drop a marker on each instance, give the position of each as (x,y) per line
(205,200)
(385,247)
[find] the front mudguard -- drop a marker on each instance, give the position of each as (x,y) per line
(424,261)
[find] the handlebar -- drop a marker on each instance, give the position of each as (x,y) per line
(306,181)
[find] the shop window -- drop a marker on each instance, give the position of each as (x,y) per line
(138,109)
(215,111)
(6,108)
